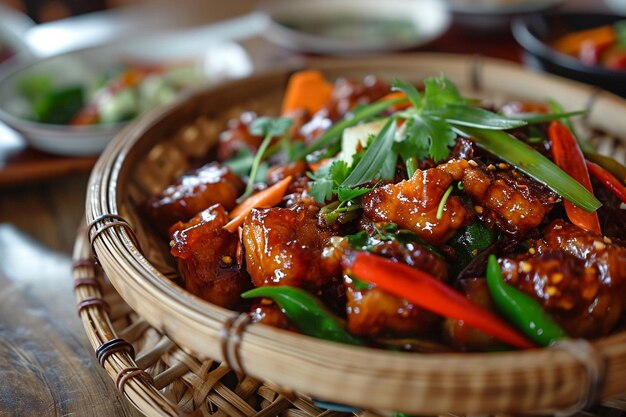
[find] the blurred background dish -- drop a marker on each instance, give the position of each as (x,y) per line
(350,27)
(74,103)
(540,36)
(618,6)
(496,14)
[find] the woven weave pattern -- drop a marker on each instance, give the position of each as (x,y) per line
(155,151)
(179,383)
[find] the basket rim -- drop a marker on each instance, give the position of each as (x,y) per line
(120,251)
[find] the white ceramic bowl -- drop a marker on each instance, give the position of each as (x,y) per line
(618,6)
(218,61)
(350,27)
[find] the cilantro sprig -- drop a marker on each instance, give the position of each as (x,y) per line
(427,132)
(429,128)
(268,128)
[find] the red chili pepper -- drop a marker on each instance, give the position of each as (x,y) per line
(608,180)
(433,295)
(569,158)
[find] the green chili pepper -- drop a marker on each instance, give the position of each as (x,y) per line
(608,163)
(306,312)
(521,309)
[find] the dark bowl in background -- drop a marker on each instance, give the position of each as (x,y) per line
(535,32)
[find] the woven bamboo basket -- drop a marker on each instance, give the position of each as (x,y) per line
(149,154)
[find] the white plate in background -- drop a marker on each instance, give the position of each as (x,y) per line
(219,60)
(349,27)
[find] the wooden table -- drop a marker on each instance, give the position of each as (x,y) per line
(47,367)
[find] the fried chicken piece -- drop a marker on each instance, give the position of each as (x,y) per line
(578,277)
(284,246)
(412,204)
(194,192)
(299,185)
(374,312)
(508,199)
(207,258)
(237,137)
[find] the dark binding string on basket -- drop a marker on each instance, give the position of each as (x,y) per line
(113,346)
(594,366)
(80,263)
(127,374)
(589,104)
(85,282)
(230,340)
(113,221)
(475,73)
(91,302)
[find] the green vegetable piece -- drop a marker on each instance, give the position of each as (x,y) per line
(34,85)
(442,203)
(409,90)
(369,166)
(268,127)
(242,162)
(346,194)
(441,138)
(327,179)
(618,170)
(59,106)
(620,32)
(414,144)
(521,309)
(532,163)
(306,312)
(332,135)
(465,115)
(439,92)
(470,241)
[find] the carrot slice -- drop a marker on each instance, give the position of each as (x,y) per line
(396,95)
(306,89)
(269,197)
(569,158)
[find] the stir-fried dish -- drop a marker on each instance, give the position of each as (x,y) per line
(407,218)
(120,94)
(603,46)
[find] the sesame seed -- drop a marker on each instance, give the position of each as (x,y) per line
(479,209)
(551,291)
(525,266)
(598,245)
(502,165)
(491,167)
(472,163)
(227,259)
(558,227)
(532,251)
(607,240)
(557,277)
